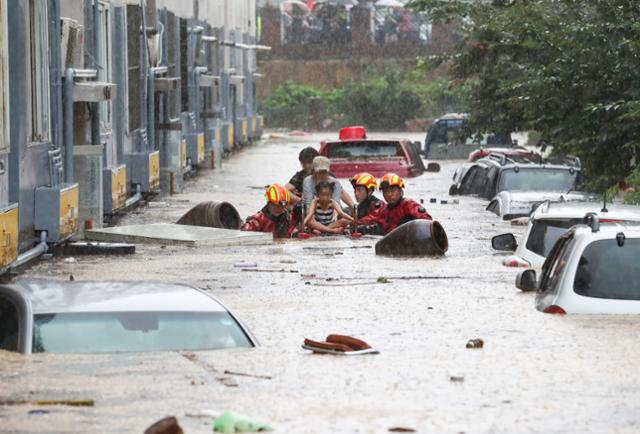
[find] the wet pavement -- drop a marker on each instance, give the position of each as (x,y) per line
(536,372)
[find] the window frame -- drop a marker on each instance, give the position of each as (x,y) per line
(4,70)
(103,58)
(133,80)
(40,121)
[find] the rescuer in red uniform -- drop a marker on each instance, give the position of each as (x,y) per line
(399,209)
(274,217)
(369,206)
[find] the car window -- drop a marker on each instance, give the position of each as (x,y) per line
(364,149)
(9,325)
(544,234)
(414,154)
(474,180)
(136,331)
(556,262)
(608,270)
(437,134)
(489,190)
(536,179)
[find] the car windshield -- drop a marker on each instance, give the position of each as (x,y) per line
(544,234)
(530,179)
(104,332)
(364,149)
(445,131)
(609,270)
(495,140)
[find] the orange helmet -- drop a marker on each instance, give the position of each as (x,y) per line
(391,180)
(277,194)
(364,180)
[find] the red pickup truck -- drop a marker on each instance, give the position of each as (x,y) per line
(354,153)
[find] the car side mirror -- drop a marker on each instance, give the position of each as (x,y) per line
(433,167)
(453,190)
(527,280)
(504,242)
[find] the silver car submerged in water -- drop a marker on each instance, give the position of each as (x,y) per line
(111,317)
(514,204)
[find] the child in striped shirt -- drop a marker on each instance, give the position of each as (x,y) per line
(325,214)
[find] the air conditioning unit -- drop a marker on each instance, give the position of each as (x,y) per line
(72,44)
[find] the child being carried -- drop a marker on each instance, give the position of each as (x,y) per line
(325,214)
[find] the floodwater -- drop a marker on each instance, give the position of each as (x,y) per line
(536,372)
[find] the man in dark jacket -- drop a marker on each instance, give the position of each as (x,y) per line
(294,185)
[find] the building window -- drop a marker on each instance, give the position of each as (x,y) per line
(104,62)
(4,82)
(134,82)
(39,71)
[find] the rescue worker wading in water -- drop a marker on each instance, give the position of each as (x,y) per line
(274,217)
(369,206)
(399,209)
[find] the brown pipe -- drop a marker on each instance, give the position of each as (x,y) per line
(415,238)
(212,214)
(328,345)
(353,343)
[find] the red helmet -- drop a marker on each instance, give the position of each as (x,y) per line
(391,180)
(276,193)
(364,180)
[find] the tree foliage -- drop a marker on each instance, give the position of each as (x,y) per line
(381,101)
(569,69)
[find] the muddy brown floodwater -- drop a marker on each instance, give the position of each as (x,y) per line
(536,372)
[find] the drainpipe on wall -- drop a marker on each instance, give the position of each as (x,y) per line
(33,253)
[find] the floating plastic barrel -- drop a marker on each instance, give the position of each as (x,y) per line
(212,214)
(415,238)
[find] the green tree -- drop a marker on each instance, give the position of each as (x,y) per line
(568,69)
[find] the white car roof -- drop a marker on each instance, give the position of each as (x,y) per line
(64,297)
(453,116)
(560,210)
(554,196)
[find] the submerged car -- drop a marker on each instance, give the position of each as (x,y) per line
(592,269)
(355,153)
(105,317)
(547,224)
(514,204)
(518,152)
(446,139)
(491,175)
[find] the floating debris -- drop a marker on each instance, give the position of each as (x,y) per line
(231,422)
(475,343)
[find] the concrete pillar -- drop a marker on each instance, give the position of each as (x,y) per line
(87,168)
